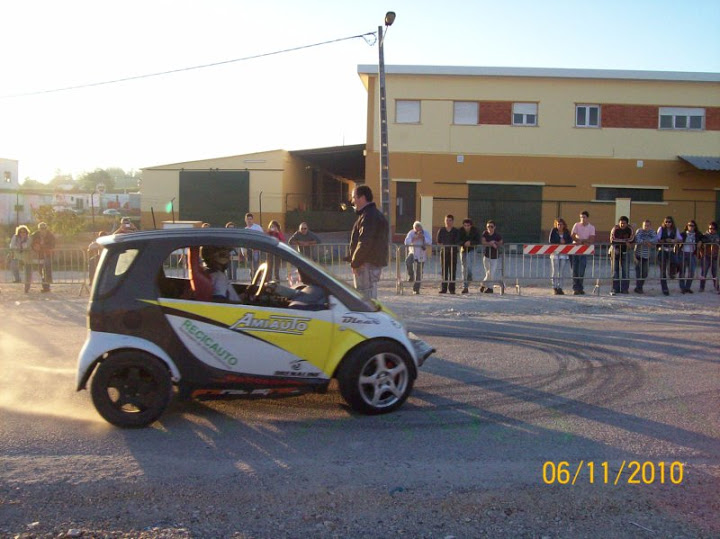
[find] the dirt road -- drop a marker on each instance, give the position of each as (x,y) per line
(520,385)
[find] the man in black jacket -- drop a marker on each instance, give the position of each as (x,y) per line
(368,243)
(449,240)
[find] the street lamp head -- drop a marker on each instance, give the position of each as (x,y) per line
(389,18)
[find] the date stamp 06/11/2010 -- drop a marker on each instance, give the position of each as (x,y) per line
(630,472)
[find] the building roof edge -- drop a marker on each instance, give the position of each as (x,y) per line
(541,72)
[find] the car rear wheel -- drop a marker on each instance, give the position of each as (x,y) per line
(131,389)
(376,378)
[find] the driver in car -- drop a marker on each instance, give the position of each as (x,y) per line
(216,261)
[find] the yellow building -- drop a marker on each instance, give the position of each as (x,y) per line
(522,146)
(287,186)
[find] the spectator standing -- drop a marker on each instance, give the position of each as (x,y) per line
(43,244)
(368,243)
(492,242)
(449,238)
(417,241)
(93,252)
(691,240)
(275,231)
(126,226)
(668,236)
(253,257)
(304,240)
(559,235)
(645,239)
(583,233)
(709,256)
(621,236)
(234,257)
(469,239)
(21,253)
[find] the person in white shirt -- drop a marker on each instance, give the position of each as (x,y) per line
(252,256)
(416,240)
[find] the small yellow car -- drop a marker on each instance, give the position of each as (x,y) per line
(173,312)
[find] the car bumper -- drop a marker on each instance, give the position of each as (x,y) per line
(422,349)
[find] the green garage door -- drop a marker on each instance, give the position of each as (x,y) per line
(517,210)
(214,196)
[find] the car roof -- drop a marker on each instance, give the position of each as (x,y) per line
(190,234)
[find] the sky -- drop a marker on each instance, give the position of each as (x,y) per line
(308,98)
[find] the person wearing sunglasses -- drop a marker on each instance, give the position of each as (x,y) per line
(668,236)
(709,256)
(691,240)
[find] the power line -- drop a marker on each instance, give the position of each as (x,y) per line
(365,36)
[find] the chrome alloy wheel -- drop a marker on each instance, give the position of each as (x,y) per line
(383,380)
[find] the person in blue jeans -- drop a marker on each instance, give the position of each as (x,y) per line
(668,236)
(691,240)
(417,240)
(583,233)
(709,256)
(645,240)
(621,236)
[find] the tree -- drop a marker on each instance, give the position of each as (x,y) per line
(29,183)
(87,182)
(63,223)
(61,180)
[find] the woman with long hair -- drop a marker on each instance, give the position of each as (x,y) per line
(275,231)
(668,236)
(559,235)
(20,251)
(691,241)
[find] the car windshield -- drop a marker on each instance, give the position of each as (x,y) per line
(327,273)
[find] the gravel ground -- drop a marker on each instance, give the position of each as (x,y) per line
(463,457)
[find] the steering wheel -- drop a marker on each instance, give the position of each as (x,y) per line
(259,278)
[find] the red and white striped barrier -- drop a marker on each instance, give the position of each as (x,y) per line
(558,249)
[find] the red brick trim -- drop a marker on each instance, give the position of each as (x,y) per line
(630,116)
(712,118)
(496,112)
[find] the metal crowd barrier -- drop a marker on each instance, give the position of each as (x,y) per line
(68,267)
(530,264)
(521,265)
(518,266)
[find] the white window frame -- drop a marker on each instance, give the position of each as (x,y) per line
(466,113)
(407,111)
(525,114)
(681,118)
(587,109)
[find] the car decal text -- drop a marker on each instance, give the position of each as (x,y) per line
(292,325)
(208,343)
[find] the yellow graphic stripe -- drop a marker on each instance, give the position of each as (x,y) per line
(320,343)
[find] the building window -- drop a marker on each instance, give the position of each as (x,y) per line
(587,115)
(634,193)
(682,118)
(524,113)
(407,112)
(466,113)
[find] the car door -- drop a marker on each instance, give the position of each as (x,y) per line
(252,338)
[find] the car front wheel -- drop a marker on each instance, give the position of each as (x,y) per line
(131,389)
(376,378)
